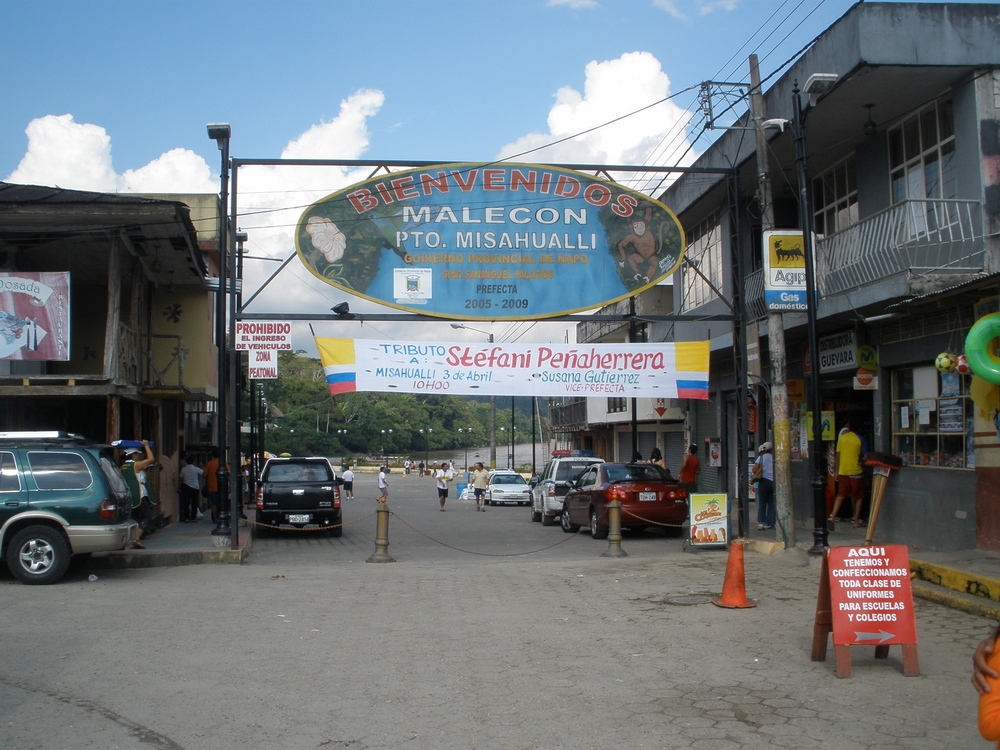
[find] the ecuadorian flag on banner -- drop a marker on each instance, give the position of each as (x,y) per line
(691,364)
(339,364)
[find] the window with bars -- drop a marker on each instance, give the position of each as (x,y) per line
(835,198)
(704,252)
(932,418)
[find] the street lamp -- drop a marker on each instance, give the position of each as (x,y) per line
(817,84)
(493,398)
(465,443)
(427,440)
(385,456)
(220,132)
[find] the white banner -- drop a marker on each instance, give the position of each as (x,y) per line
(666,370)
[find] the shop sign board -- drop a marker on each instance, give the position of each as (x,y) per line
(865,380)
(709,520)
(784,271)
(490,241)
(871,596)
(838,352)
(797,390)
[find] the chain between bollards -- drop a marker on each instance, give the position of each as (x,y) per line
(381,554)
(614,531)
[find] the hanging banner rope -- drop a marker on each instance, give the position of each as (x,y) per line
(666,370)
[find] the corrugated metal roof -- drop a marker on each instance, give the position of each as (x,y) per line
(27,194)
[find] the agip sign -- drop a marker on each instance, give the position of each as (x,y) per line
(490,241)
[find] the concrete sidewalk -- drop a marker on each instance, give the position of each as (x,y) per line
(182,544)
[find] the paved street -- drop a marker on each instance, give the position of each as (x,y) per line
(462,643)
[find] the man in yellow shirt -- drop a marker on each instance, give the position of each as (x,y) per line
(847,468)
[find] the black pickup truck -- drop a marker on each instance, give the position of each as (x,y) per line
(299,491)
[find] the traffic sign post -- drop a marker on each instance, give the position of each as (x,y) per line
(865,598)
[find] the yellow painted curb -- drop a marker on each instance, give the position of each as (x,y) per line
(986,587)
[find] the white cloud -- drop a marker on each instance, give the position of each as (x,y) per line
(574,4)
(66,154)
(177,171)
(701,7)
(613,88)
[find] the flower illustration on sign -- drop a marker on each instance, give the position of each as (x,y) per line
(327,238)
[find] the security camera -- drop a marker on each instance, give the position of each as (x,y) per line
(778,122)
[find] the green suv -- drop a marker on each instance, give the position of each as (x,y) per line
(60,496)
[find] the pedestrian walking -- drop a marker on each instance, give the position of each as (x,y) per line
(420,467)
(444,475)
(480,483)
(406,467)
(348,476)
(383,483)
(190,489)
(763,474)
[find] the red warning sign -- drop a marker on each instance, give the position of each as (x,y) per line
(871,597)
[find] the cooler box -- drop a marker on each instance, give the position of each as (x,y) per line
(460,488)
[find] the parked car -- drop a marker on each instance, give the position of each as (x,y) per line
(549,488)
(648,496)
(507,488)
(299,491)
(62,497)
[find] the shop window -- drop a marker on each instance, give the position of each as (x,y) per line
(932,418)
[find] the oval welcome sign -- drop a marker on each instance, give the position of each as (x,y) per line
(490,241)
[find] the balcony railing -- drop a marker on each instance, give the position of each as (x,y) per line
(916,235)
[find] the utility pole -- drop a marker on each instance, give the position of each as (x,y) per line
(784,508)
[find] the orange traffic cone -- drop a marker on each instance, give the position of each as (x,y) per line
(734,590)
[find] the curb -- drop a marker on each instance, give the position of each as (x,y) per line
(973,605)
(980,586)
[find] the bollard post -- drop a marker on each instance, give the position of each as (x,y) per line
(614,531)
(381,553)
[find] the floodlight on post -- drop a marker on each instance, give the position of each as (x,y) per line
(343,311)
(818,83)
(493,398)
(220,132)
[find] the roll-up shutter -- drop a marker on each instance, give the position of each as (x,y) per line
(673,451)
(647,441)
(706,426)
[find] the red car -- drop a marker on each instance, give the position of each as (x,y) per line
(648,496)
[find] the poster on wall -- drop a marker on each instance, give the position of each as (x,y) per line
(34,316)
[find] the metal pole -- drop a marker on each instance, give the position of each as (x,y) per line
(222,528)
(236,466)
(816,457)
(739,360)
(635,418)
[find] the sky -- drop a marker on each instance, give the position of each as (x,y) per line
(114,96)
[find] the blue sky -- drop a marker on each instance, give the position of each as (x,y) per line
(115,94)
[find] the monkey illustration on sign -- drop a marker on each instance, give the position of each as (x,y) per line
(646,246)
(783,254)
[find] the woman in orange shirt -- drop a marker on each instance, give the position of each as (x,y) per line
(989,703)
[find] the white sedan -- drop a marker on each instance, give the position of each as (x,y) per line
(508,488)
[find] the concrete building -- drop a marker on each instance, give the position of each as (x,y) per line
(903,160)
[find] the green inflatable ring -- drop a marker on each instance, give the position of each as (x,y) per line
(982,359)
